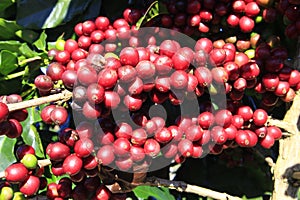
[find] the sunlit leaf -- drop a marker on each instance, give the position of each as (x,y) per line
(41,42)
(155,9)
(30,134)
(7,152)
(26,51)
(145,192)
(58,14)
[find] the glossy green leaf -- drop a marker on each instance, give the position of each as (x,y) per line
(8,62)
(5,4)
(7,152)
(41,42)
(8,29)
(145,192)
(30,134)
(58,14)
(26,51)
(27,35)
(10,45)
(155,9)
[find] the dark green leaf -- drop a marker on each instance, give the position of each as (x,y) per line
(8,62)
(145,192)
(8,29)
(27,35)
(41,42)
(30,134)
(7,152)
(11,45)
(5,4)
(57,15)
(155,9)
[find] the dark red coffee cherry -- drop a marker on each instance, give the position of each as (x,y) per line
(59,115)
(72,164)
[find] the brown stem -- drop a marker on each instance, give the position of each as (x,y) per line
(183,187)
(64,95)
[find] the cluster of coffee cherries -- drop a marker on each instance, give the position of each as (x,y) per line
(208,16)
(26,174)
(74,155)
(10,121)
(290,9)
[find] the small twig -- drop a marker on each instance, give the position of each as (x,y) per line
(12,76)
(28,60)
(44,163)
(2,174)
(183,187)
(296,175)
(64,95)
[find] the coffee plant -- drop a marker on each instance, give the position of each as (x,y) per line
(170,99)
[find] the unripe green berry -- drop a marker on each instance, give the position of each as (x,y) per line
(60,44)
(29,161)
(7,193)
(19,196)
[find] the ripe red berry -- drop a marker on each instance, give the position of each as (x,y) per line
(3,112)
(16,173)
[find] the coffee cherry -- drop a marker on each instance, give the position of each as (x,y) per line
(206,119)
(185,148)
(83,147)
(23,150)
(72,164)
(102,193)
(43,82)
(274,132)
(122,146)
(242,138)
(59,115)
(57,151)
(95,93)
(16,173)
(6,193)
(194,133)
(138,137)
(260,117)
(106,154)
(30,161)
(30,186)
(163,135)
(151,147)
(267,142)
(16,129)
(3,111)
(246,112)
(218,135)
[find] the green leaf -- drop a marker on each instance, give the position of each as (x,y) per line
(58,14)
(11,45)
(27,35)
(7,152)
(155,9)
(145,192)
(8,62)
(5,4)
(41,42)
(8,29)
(30,134)
(26,51)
